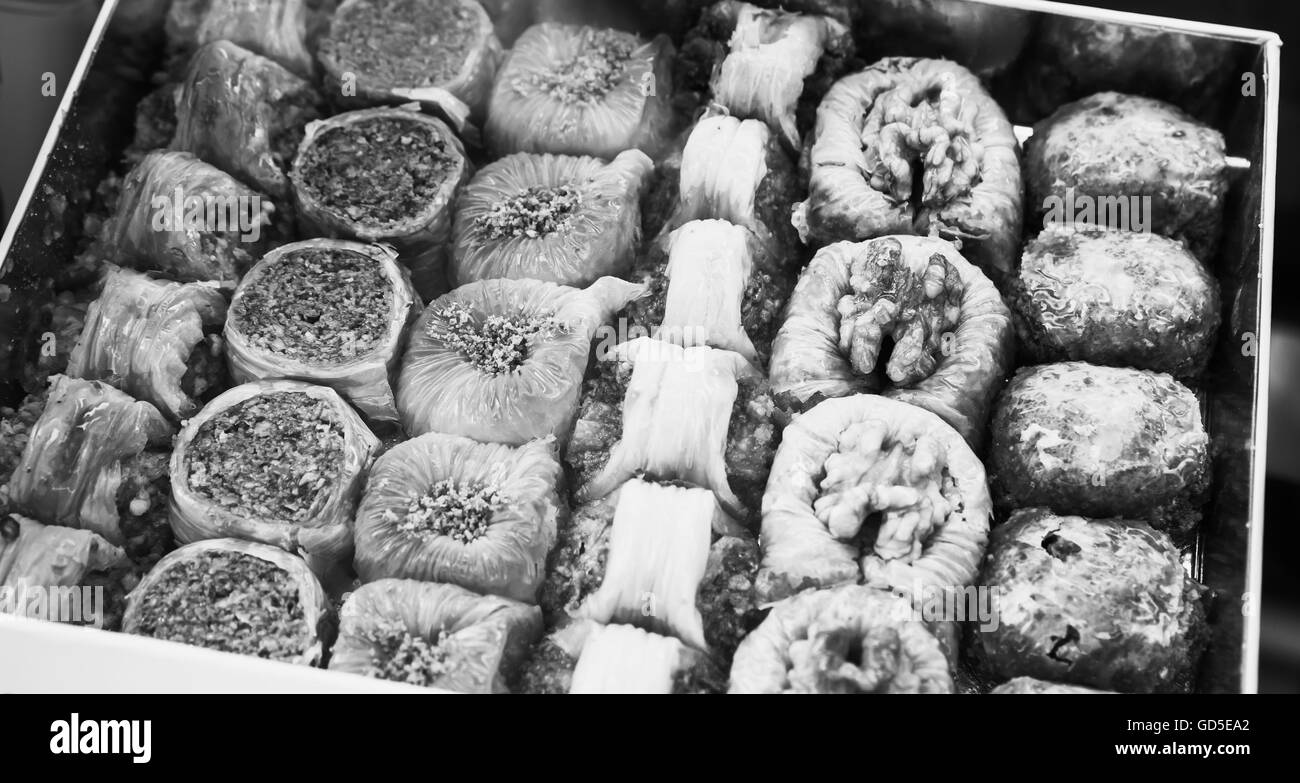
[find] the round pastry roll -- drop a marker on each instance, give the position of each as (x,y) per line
(1098,603)
(326,311)
(1121,298)
(587,657)
(1031,685)
(443,53)
(277,462)
(578,90)
(385,175)
(560,218)
(433,635)
(233,596)
(1132,163)
(502,360)
(848,639)
(658,555)
(867,488)
(902,315)
(877,128)
(442,508)
(1100,441)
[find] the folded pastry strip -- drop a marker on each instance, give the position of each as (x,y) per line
(385,175)
(587,657)
(328,312)
(576,90)
(869,477)
(442,53)
(848,639)
(503,360)
(765,64)
(234,596)
(433,635)
(711,282)
(735,170)
(276,462)
(661,556)
(560,218)
(443,508)
(88,455)
(155,340)
(699,415)
(876,126)
(187,219)
(243,114)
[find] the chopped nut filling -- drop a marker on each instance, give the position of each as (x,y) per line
(405,43)
(376,171)
(399,656)
(403,657)
(495,344)
(460,512)
(269,457)
(907,484)
(916,309)
(227,601)
(849,660)
(317,306)
(536,212)
(589,76)
(921,125)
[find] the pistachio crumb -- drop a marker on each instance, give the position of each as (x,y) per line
(401,656)
(460,512)
(496,344)
(535,212)
(588,76)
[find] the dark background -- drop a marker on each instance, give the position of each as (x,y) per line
(22,126)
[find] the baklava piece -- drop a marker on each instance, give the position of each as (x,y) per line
(329,312)
(433,636)
(442,508)
(915,146)
(574,90)
(904,316)
(156,340)
(502,360)
(276,462)
(560,218)
(1102,442)
(869,489)
(1103,603)
(234,596)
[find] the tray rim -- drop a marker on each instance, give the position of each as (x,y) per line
(1270,43)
